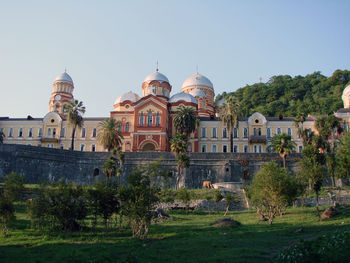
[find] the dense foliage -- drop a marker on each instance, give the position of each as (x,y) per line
(288,96)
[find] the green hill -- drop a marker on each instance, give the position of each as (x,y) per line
(287,96)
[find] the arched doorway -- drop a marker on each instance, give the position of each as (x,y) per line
(149,147)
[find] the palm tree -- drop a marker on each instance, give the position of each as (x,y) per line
(2,136)
(183,161)
(178,144)
(74,111)
(185,120)
(299,121)
(230,111)
(109,167)
(109,135)
(120,157)
(283,145)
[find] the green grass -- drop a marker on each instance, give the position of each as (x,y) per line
(183,238)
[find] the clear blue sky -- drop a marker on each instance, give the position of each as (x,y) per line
(109,47)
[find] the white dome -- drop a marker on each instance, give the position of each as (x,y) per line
(64,77)
(197,80)
(197,93)
(346,97)
(156,76)
(346,91)
(131,96)
(182,96)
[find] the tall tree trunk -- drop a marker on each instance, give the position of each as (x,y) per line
(73,134)
(231,140)
(178,177)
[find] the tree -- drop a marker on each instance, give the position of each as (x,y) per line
(110,167)
(2,136)
(271,190)
(13,186)
(343,157)
(312,170)
(109,135)
(182,161)
(229,113)
(178,144)
(217,198)
(138,200)
(121,158)
(185,120)
(7,213)
(283,145)
(230,198)
(74,111)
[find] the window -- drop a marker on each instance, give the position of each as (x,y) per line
(94,132)
(214,132)
(82,147)
(128,146)
(214,148)
(93,148)
(158,119)
(189,147)
(224,148)
(127,127)
(268,131)
(204,148)
(204,132)
(61,147)
(260,148)
(300,149)
(235,132)
(245,132)
(290,131)
(83,132)
(164,91)
(40,132)
(30,132)
(50,145)
(149,118)
(119,126)
(255,149)
(245,148)
(154,89)
(11,132)
(63,132)
(53,132)
(224,133)
(255,132)
(279,131)
(141,119)
(20,132)
(49,132)
(235,148)
(259,131)
(203,104)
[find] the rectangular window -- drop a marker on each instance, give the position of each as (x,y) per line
(300,149)
(204,132)
(141,119)
(54,132)
(204,148)
(40,132)
(214,133)
(63,132)
(11,132)
(255,149)
(290,131)
(93,148)
(235,148)
(260,149)
(235,133)
(245,148)
(224,148)
(30,132)
(82,147)
(61,147)
(158,118)
(268,132)
(128,146)
(224,133)
(20,132)
(214,148)
(279,131)
(83,132)
(94,132)
(49,132)
(245,132)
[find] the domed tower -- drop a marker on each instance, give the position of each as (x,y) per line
(62,93)
(196,83)
(156,84)
(346,97)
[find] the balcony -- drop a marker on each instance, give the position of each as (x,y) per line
(257,139)
(50,139)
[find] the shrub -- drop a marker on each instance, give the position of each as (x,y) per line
(7,213)
(13,186)
(185,197)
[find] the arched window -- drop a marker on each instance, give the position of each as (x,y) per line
(149,118)
(119,127)
(254,131)
(245,133)
(235,133)
(48,132)
(158,119)
(259,131)
(224,133)
(268,132)
(141,119)
(127,127)
(164,91)
(54,132)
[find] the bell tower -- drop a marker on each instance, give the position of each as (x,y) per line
(62,93)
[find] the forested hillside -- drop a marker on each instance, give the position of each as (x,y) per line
(287,96)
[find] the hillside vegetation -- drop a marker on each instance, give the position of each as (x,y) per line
(287,96)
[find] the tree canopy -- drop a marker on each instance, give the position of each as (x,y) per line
(288,96)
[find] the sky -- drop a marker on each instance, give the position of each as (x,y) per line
(109,47)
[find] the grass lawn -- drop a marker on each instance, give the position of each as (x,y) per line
(183,238)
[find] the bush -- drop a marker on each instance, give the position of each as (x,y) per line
(185,197)
(13,186)
(59,208)
(7,213)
